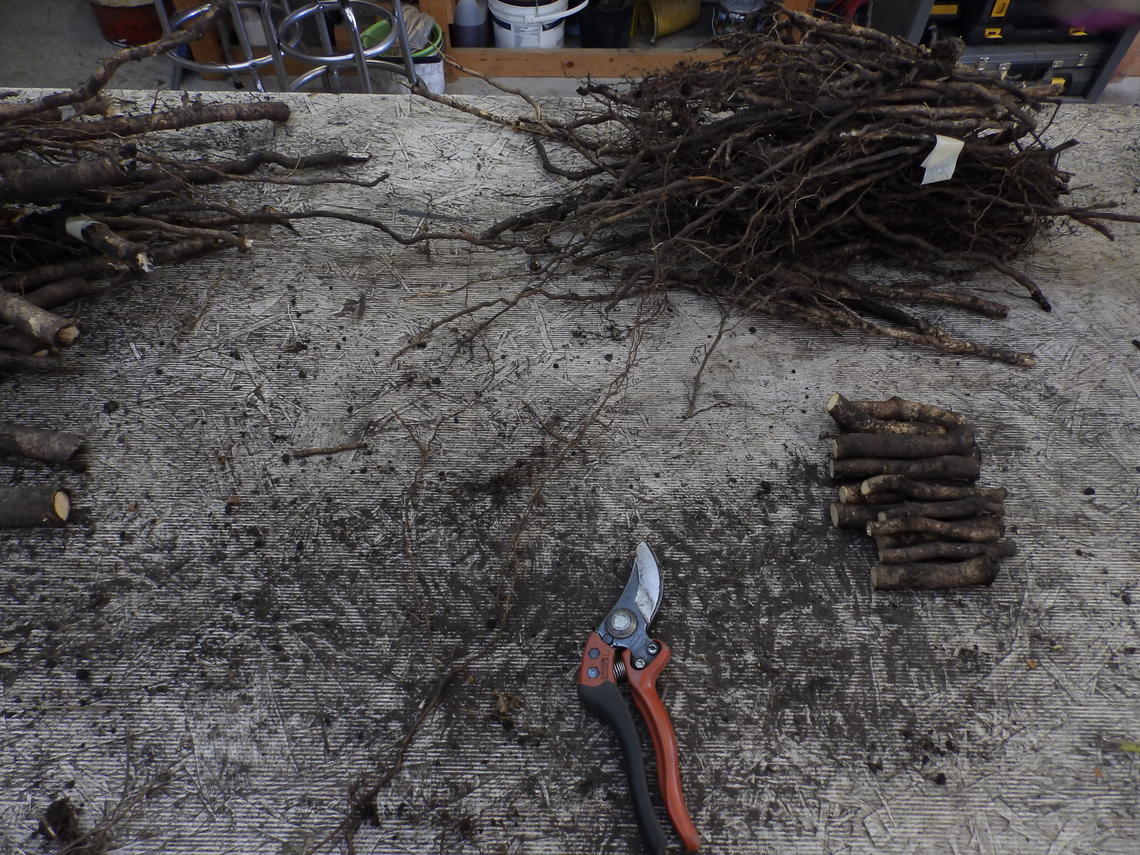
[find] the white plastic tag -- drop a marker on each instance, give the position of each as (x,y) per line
(942,160)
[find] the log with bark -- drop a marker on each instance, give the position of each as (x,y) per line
(981,570)
(950,467)
(24,507)
(53,446)
(857,516)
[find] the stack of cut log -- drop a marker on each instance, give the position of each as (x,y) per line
(910,471)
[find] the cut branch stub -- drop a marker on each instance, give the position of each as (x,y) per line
(39,323)
(845,445)
(22,507)
(853,516)
(54,446)
(61,292)
(102,237)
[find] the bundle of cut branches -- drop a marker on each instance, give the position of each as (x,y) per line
(774,178)
(911,469)
(86,202)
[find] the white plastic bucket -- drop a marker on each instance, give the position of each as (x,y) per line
(533,25)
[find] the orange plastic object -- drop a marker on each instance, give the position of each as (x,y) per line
(643,684)
(596,668)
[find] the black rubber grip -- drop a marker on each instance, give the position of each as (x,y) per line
(606,702)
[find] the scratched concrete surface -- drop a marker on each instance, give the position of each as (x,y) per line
(229,637)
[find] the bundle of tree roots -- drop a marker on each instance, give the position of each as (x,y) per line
(909,471)
(776,178)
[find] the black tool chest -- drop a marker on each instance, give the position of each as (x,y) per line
(1072,66)
(1018,39)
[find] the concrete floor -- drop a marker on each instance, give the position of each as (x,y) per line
(57,43)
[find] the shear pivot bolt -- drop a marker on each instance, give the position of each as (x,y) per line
(622,623)
(653,648)
(639,663)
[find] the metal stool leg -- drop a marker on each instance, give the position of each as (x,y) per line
(329,63)
(248,63)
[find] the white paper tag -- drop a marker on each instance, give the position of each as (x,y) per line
(942,160)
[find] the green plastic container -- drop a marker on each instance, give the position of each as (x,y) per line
(379,31)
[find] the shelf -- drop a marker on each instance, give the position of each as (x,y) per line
(570,61)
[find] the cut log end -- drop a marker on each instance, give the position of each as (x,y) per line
(67,335)
(61,505)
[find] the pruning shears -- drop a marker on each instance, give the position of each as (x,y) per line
(640,661)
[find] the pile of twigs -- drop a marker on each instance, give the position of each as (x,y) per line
(86,202)
(775,178)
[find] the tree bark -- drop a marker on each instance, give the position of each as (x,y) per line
(19,342)
(61,293)
(39,184)
(850,494)
(13,361)
(129,126)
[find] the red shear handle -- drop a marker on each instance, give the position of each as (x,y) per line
(643,684)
